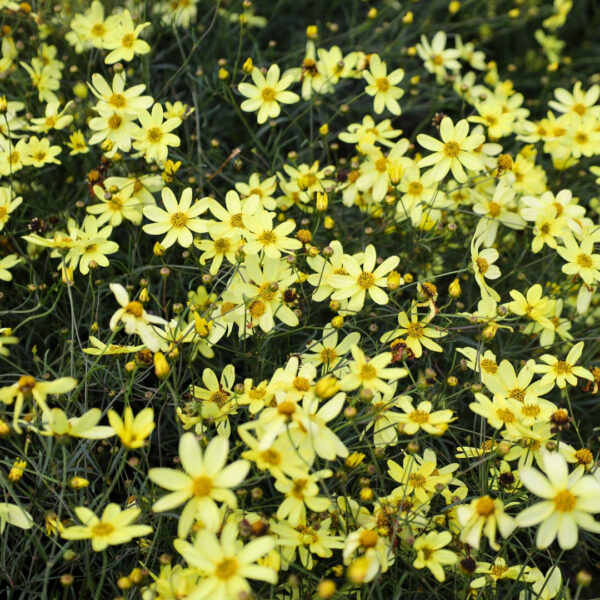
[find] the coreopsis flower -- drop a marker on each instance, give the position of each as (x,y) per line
(534,306)
(453,152)
(261,236)
(499,413)
(484,514)
(328,353)
(132,431)
(93,246)
(179,219)
(421,417)
(300,494)
(263,189)
(56,423)
(569,501)
(154,137)
(383,86)
(77,143)
(364,279)
(437,58)
(564,371)
(40,152)
(545,587)
(415,332)
(368,133)
(114,98)
(580,259)
(113,129)
(225,564)
(484,268)
(267,92)
(113,528)
(370,373)
(491,573)
(206,480)
(116,206)
(52,119)
(370,546)
(135,319)
(124,40)
(221,245)
(91,29)
(431,554)
(27,387)
(12,514)
(578,103)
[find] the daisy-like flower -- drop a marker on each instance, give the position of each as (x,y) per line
(453,152)
(56,423)
(114,207)
(267,93)
(153,138)
(413,419)
(564,371)
(484,514)
(178,221)
(262,236)
(370,373)
(580,258)
(534,306)
(328,352)
(206,480)
(415,333)
(115,128)
(40,152)
(115,98)
(484,267)
(220,245)
(363,280)
(27,387)
(132,431)
(430,553)
(302,493)
(226,564)
(93,246)
(491,573)
(115,527)
(437,58)
(135,319)
(263,189)
(124,40)
(382,86)
(368,133)
(569,500)
(578,103)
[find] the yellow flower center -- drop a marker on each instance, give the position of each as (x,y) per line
(484,506)
(505,415)
(307,180)
(419,416)
(559,208)
(298,488)
(127,40)
(415,188)
(257,308)
(489,365)
(219,397)
(437,59)
(565,501)
(98,30)
(301,384)
(222,246)
(179,220)
(26,383)
(328,355)
(202,486)
(383,84)
(451,149)
(135,308)
(287,407)
(531,410)
(227,568)
(415,330)
(114,122)
(115,203)
(368,372)
(561,367)
(427,552)
(482,265)
(579,108)
(584,456)
(154,135)
(381,164)
(117,100)
(498,571)
(581,138)
(268,94)
(267,237)
(365,280)
(368,538)
(102,529)
(517,394)
(236,220)
(584,260)
(494,209)
(417,480)
(227,307)
(271,457)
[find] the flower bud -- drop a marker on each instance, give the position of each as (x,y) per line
(161,366)
(454,289)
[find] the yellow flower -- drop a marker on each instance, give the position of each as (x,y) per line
(178,221)
(430,553)
(383,86)
(153,138)
(485,514)
(569,500)
(225,564)
(206,479)
(123,40)
(580,259)
(115,527)
(453,152)
(56,423)
(534,306)
(563,371)
(77,143)
(132,431)
(437,58)
(413,419)
(267,93)
(8,203)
